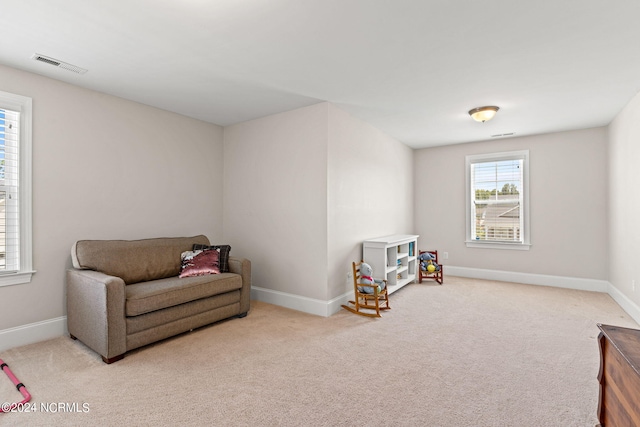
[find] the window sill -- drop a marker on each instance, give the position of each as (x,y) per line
(498,245)
(15,278)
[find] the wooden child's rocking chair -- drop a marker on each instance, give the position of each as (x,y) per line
(367,297)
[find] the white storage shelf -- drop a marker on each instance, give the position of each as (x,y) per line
(394,258)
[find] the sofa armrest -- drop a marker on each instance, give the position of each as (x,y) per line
(242,266)
(96,311)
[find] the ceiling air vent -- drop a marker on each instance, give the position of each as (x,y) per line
(57,63)
(499,135)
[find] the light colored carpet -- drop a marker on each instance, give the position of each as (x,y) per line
(469,353)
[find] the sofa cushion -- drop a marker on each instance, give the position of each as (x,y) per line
(145,297)
(134,260)
(199,263)
(151,320)
(224,254)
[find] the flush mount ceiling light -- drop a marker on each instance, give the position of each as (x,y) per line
(483,114)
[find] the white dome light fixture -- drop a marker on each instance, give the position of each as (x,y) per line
(483,114)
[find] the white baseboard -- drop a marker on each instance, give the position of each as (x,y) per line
(529,278)
(32,333)
(623,301)
(631,308)
(300,303)
(327,308)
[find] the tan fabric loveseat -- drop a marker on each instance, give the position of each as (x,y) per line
(124,294)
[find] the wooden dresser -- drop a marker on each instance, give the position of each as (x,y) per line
(619,376)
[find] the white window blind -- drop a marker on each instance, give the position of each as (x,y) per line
(15,189)
(9,194)
(497,207)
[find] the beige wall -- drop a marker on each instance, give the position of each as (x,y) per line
(370,192)
(568,194)
(275,199)
(624,205)
(106,168)
(304,188)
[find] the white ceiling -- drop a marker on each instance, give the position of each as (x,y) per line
(412,68)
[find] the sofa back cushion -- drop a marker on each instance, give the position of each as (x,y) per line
(134,261)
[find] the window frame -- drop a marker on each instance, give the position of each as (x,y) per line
(524,209)
(23,105)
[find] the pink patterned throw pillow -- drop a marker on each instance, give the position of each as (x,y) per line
(199,263)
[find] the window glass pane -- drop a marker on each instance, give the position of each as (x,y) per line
(2,138)
(16,262)
(9,213)
(3,232)
(497,187)
(3,216)
(498,221)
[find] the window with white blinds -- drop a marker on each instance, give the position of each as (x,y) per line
(15,189)
(497,200)
(9,220)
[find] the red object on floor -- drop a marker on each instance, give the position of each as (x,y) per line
(19,386)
